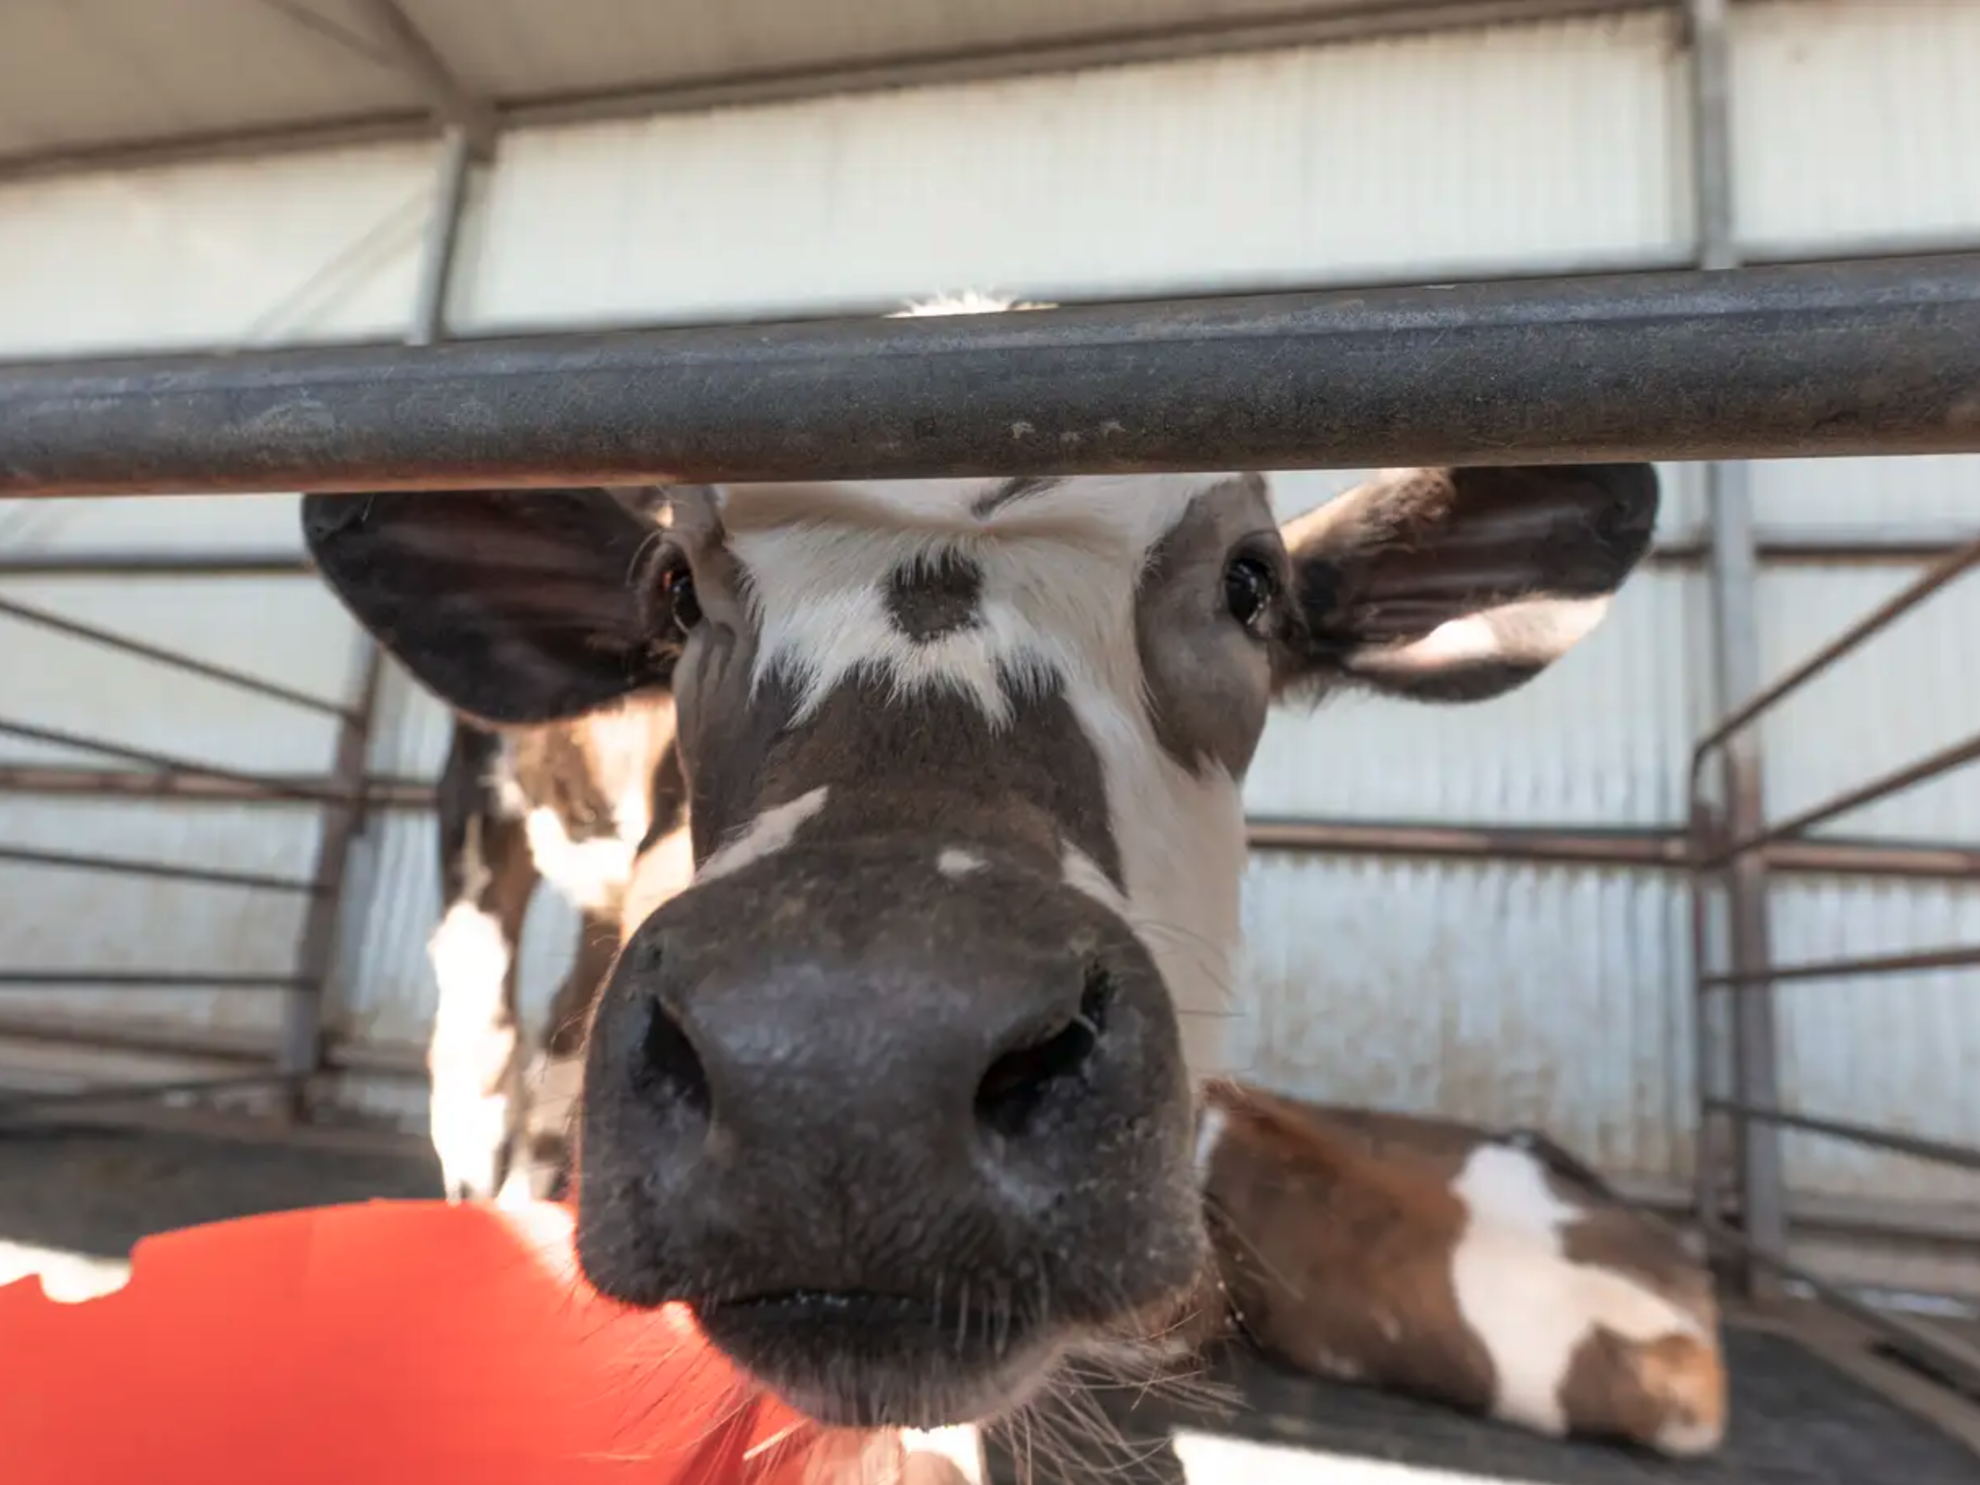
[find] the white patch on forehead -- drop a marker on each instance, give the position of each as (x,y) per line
(1530,1307)
(1059,568)
(1056,609)
(769,833)
(956,863)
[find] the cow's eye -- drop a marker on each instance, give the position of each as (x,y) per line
(1250,585)
(678,588)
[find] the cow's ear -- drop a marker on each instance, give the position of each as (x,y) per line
(1460,584)
(512,606)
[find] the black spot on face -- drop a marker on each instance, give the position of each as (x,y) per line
(928,600)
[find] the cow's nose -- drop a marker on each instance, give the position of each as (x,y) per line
(958,1080)
(894,1136)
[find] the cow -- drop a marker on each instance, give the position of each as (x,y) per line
(898,1094)
(1489,1270)
(574,803)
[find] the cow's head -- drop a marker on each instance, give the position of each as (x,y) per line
(897,1094)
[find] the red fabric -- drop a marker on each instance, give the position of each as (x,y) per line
(386,1343)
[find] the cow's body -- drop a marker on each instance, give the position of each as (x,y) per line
(572,804)
(1481,1269)
(897,1093)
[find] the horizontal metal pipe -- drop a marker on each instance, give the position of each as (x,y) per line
(1784,546)
(1923,771)
(124,644)
(127,1035)
(1830,969)
(154,564)
(1796,546)
(17,1105)
(205,875)
(117,783)
(1930,1342)
(1873,358)
(1653,847)
(141,979)
(61,738)
(1940,1152)
(1662,848)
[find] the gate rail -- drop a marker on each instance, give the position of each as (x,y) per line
(1732,848)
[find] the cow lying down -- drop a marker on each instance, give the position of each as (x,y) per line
(1487,1271)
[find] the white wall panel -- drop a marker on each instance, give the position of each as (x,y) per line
(1895,1051)
(1905,694)
(252,252)
(1855,119)
(261,524)
(286,630)
(1425,154)
(1936,492)
(1510,994)
(86,920)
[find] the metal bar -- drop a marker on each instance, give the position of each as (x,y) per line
(379,793)
(1923,771)
(1594,847)
(444,94)
(148,1038)
(1682,366)
(125,645)
(1786,544)
(1870,625)
(1938,1151)
(1733,568)
(1828,969)
(14,1106)
(301,1041)
(124,979)
(437,266)
(154,564)
(1783,545)
(172,763)
(1708,1156)
(1955,1354)
(210,876)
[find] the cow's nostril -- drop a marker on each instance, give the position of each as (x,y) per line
(1021,1082)
(671,1066)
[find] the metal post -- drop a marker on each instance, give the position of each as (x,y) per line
(1733,568)
(302,1045)
(437,271)
(300,1053)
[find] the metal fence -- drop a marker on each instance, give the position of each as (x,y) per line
(1741,1200)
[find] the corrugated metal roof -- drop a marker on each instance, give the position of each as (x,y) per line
(84,78)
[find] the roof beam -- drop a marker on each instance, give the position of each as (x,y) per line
(451,101)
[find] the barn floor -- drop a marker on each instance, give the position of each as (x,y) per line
(83,1196)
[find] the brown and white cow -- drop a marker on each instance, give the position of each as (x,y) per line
(574,803)
(898,1093)
(1487,1270)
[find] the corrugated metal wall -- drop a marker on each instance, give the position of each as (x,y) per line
(1549,142)
(1500,991)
